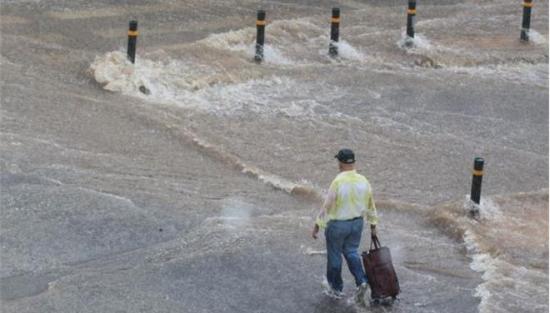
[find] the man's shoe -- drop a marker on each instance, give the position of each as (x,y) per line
(360,293)
(335,294)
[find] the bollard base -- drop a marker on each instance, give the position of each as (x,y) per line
(524,37)
(144,90)
(259,55)
(333,50)
(474,211)
(409,42)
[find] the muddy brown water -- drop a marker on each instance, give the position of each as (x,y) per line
(200,196)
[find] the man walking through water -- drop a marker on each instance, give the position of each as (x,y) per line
(349,199)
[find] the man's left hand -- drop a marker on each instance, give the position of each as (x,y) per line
(373,230)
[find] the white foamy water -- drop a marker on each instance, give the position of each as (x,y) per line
(236,213)
(510,262)
(487,209)
(345,51)
(211,89)
(537,38)
(521,73)
(506,286)
(268,96)
(419,42)
(288,42)
(163,78)
(243,43)
(116,73)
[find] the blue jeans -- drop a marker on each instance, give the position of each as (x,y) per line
(343,237)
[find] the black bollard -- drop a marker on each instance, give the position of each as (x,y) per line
(477,176)
(411,15)
(260,36)
(526,22)
(132,40)
(334,32)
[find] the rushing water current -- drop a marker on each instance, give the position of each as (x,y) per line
(189,181)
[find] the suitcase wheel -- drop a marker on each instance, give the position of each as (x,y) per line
(384,301)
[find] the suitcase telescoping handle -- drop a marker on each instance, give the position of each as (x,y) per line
(374,241)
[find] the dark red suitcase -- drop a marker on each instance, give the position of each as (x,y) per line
(380,272)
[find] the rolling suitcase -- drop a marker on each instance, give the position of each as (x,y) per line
(380,272)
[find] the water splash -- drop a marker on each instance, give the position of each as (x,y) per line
(236,213)
(521,73)
(115,73)
(210,88)
(242,42)
(537,38)
(504,250)
(162,78)
(346,51)
(419,42)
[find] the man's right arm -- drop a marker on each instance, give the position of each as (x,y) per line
(330,200)
(322,217)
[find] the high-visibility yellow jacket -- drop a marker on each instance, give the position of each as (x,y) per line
(349,196)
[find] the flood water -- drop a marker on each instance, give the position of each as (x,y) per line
(200,195)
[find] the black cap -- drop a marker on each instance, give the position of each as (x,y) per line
(346,156)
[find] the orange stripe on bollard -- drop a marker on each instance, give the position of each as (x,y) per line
(477,173)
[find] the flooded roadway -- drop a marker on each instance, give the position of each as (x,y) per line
(121,202)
